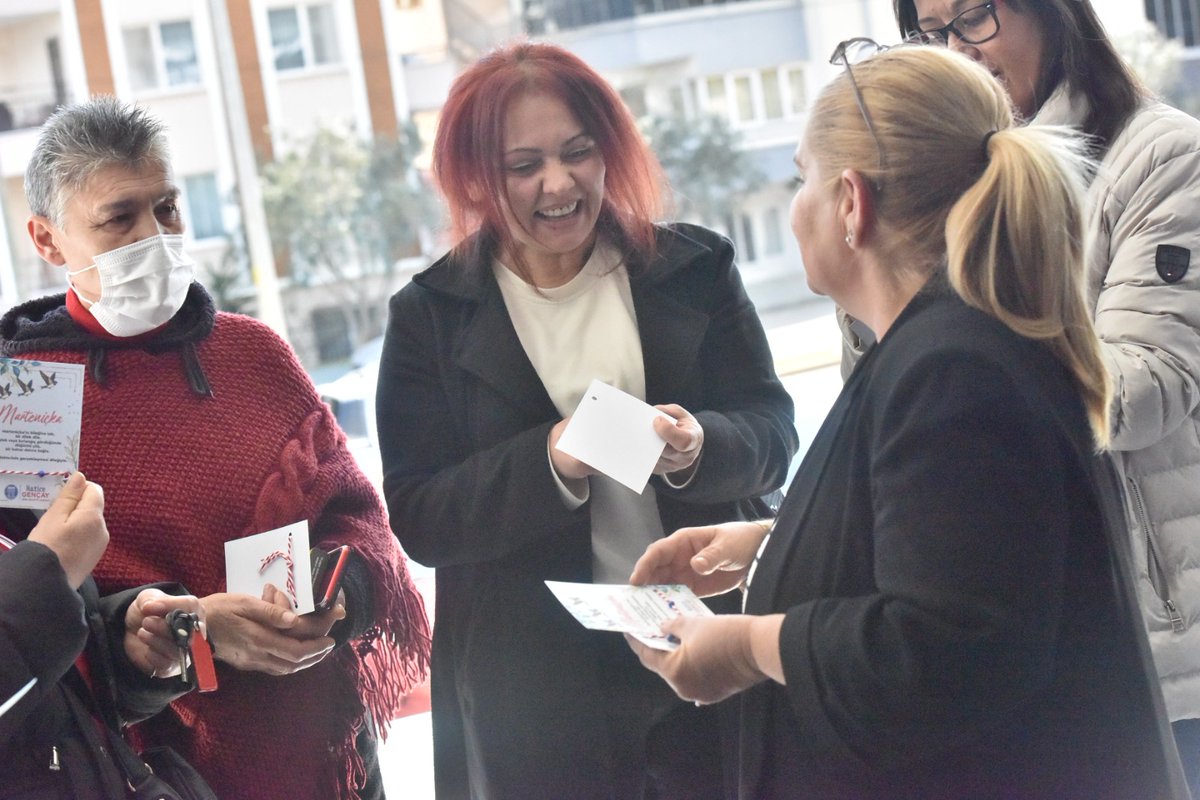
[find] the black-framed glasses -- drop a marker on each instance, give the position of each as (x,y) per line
(853,51)
(976,25)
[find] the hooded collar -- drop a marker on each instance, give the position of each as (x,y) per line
(46,324)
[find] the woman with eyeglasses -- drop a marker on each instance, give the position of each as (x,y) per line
(1143,287)
(944,607)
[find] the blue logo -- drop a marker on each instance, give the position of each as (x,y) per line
(10,491)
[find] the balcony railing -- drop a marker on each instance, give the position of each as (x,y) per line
(22,107)
(548,16)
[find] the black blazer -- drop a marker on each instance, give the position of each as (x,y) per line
(960,617)
(463,421)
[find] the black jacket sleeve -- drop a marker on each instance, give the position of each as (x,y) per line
(138,696)
(42,628)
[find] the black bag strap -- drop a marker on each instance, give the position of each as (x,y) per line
(138,777)
(137,773)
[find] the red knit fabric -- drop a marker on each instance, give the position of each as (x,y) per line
(183,474)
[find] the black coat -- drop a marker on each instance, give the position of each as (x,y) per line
(463,422)
(951,558)
(44,626)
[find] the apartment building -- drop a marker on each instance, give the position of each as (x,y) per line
(374,65)
(300,64)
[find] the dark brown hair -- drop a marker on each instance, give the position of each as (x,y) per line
(1077,50)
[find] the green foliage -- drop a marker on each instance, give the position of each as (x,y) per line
(228,280)
(342,206)
(705,163)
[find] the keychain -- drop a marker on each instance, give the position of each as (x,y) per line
(183,626)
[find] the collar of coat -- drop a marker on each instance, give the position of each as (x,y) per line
(46,324)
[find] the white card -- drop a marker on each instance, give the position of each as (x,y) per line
(41,404)
(272,557)
(612,432)
(637,610)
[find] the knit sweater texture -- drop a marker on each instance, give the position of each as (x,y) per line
(211,431)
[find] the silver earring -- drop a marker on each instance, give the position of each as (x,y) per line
(850,238)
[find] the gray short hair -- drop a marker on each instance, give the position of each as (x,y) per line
(80,140)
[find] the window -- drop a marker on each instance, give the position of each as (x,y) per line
(179,53)
(746,241)
(204,206)
(797,94)
(773,232)
(675,97)
(332,331)
(303,36)
(635,100)
(715,95)
(1177,19)
(744,92)
(771,94)
(161,55)
(748,98)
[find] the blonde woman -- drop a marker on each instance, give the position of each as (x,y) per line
(943,608)
(1143,234)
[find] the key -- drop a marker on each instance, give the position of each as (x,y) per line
(182,624)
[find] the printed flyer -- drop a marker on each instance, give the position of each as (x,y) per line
(639,611)
(41,405)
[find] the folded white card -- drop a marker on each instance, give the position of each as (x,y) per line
(637,610)
(279,557)
(613,433)
(41,405)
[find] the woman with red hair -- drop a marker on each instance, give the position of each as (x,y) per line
(560,275)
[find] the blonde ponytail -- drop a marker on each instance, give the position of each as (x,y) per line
(1015,251)
(958,187)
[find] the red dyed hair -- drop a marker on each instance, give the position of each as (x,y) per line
(468,151)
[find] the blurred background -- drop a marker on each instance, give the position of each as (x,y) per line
(301,129)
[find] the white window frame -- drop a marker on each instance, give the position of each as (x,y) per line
(758,115)
(304,27)
(158,57)
(1181,34)
(219,209)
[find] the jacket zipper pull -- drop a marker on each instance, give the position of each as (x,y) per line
(1174,615)
(55,766)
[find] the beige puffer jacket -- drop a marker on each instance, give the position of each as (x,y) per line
(1147,196)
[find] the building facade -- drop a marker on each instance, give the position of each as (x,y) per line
(300,65)
(267,74)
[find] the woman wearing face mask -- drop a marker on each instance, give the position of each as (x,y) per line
(944,608)
(203,428)
(1143,286)
(561,275)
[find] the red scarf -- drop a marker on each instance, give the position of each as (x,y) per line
(183,474)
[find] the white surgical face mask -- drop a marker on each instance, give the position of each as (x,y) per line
(142,285)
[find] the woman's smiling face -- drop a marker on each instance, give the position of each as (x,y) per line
(554,181)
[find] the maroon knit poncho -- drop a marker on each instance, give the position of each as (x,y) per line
(184,472)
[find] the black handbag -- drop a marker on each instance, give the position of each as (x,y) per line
(158,773)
